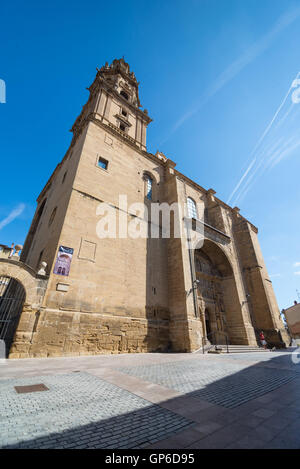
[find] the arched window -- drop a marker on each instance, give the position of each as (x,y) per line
(191,208)
(32,231)
(125,95)
(52,216)
(39,259)
(149,184)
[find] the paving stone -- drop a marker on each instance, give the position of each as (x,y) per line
(222,383)
(263,413)
(247,442)
(80,409)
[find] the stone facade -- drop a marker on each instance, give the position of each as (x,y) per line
(292,316)
(144,294)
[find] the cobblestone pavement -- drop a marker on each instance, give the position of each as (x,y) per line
(81,410)
(169,401)
(229,385)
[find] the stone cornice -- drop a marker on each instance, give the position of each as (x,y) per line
(126,139)
(123,119)
(253,267)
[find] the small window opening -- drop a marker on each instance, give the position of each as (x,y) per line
(102,163)
(122,127)
(125,95)
(124,113)
(39,259)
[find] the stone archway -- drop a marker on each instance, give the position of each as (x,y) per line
(21,297)
(12,297)
(23,274)
(218,294)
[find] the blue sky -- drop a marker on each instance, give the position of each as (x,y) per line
(213,75)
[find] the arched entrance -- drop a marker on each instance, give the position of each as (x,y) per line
(12,297)
(207,323)
(217,295)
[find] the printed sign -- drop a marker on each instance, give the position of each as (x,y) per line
(63,261)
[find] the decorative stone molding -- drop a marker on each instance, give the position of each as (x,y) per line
(211,232)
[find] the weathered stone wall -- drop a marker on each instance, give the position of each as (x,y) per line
(292,316)
(54,333)
(43,236)
(262,300)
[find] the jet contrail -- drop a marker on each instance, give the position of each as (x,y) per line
(262,138)
(16,212)
(256,49)
(241,180)
(260,169)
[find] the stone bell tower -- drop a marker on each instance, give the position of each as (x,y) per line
(113,111)
(114,101)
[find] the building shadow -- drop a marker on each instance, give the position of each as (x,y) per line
(226,398)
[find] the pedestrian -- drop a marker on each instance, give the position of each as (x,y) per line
(263,340)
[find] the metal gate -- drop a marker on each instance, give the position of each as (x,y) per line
(12,297)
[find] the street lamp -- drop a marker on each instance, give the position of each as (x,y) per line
(194,287)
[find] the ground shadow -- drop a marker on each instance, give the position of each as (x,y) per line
(144,426)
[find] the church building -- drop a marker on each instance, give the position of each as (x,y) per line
(74,292)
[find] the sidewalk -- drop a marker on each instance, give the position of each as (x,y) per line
(168,401)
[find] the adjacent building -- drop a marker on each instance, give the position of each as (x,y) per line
(292,317)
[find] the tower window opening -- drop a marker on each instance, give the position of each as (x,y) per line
(124,94)
(122,127)
(124,113)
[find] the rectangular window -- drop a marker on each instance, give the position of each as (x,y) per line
(102,163)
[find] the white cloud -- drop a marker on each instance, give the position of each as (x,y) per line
(297,273)
(15,213)
(275,275)
(296,264)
